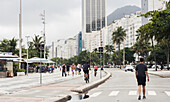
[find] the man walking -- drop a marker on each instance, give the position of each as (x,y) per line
(64,70)
(86,68)
(141,73)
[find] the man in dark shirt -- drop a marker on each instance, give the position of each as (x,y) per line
(64,70)
(86,68)
(141,73)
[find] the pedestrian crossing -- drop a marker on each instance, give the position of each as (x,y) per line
(130,93)
(168,93)
(114,93)
(152,93)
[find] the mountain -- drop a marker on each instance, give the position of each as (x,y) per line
(121,12)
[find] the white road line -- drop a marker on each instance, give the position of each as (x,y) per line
(132,92)
(95,94)
(168,93)
(33,92)
(114,93)
(152,93)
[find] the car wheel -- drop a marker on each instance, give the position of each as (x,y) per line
(125,70)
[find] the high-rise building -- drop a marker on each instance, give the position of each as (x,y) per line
(150,5)
(94,15)
(79,42)
(52,51)
(94,19)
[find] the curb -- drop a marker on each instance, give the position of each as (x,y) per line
(92,85)
(59,99)
(82,89)
(162,76)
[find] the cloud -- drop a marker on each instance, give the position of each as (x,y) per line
(63,17)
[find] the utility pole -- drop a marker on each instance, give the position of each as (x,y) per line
(27,52)
(20,34)
(44,22)
(40,65)
(124,53)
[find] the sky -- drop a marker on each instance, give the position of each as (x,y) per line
(63,17)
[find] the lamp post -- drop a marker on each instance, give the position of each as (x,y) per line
(27,52)
(40,65)
(44,22)
(124,53)
(20,34)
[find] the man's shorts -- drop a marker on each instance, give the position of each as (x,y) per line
(86,71)
(141,80)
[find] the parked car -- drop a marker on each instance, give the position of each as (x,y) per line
(166,67)
(106,66)
(158,66)
(149,66)
(129,68)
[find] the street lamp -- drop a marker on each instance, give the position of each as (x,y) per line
(27,52)
(44,22)
(20,33)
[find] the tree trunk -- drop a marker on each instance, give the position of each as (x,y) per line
(119,56)
(154,54)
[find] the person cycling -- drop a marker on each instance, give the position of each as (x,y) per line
(95,70)
(86,68)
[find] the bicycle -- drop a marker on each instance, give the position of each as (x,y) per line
(86,75)
(86,78)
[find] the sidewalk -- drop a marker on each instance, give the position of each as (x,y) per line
(50,92)
(160,73)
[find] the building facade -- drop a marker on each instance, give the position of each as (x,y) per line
(79,42)
(94,20)
(52,51)
(150,5)
(130,24)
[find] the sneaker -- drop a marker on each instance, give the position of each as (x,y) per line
(139,98)
(144,97)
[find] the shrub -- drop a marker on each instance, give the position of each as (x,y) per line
(20,70)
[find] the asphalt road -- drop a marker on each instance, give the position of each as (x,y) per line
(122,87)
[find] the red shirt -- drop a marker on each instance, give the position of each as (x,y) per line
(95,67)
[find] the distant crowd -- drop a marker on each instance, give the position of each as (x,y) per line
(75,69)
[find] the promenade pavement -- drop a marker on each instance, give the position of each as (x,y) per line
(54,87)
(160,73)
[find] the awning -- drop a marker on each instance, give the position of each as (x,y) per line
(39,60)
(9,57)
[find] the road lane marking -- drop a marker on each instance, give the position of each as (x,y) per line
(152,93)
(132,92)
(114,93)
(168,93)
(95,94)
(33,92)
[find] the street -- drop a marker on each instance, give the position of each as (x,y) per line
(122,87)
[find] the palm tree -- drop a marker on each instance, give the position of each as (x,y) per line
(147,33)
(118,37)
(141,47)
(9,45)
(13,45)
(4,45)
(109,49)
(37,40)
